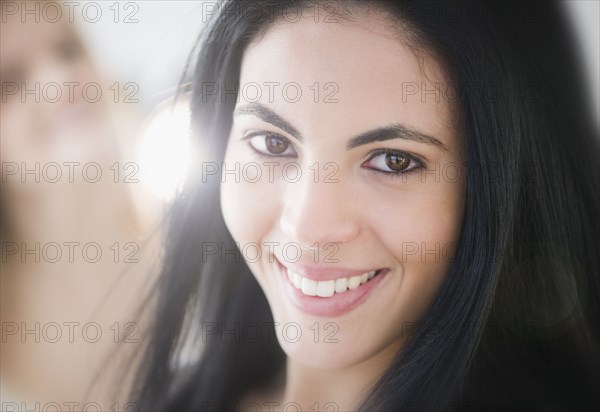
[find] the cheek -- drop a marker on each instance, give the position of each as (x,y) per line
(250,206)
(84,70)
(421,232)
(18,127)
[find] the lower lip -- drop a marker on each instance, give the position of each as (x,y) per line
(334,306)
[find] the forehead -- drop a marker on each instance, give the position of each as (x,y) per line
(373,76)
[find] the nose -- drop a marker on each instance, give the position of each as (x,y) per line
(318,213)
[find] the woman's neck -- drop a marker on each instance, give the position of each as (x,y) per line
(312,388)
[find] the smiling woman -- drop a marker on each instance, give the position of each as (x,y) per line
(379,199)
(404,239)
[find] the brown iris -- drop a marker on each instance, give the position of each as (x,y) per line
(276,145)
(396,162)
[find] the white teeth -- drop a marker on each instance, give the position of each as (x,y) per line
(341,285)
(297,281)
(354,282)
(309,287)
(328,288)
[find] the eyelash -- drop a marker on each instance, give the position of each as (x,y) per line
(248,137)
(420,164)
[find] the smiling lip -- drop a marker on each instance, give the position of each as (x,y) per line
(333,306)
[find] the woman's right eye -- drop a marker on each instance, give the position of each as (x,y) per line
(69,50)
(270,144)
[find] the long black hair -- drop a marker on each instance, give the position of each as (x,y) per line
(515,324)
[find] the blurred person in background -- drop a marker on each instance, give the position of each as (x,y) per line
(73,241)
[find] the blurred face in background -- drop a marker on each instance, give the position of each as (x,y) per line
(48,93)
(50,112)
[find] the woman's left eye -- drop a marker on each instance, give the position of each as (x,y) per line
(393,162)
(270,144)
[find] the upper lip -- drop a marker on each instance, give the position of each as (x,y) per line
(323,273)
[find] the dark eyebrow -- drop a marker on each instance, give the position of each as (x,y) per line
(395,131)
(269,116)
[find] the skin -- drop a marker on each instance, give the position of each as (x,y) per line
(370,217)
(42,292)
(50,53)
(70,129)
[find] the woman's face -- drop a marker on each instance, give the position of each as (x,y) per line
(55,113)
(364,166)
(52,109)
